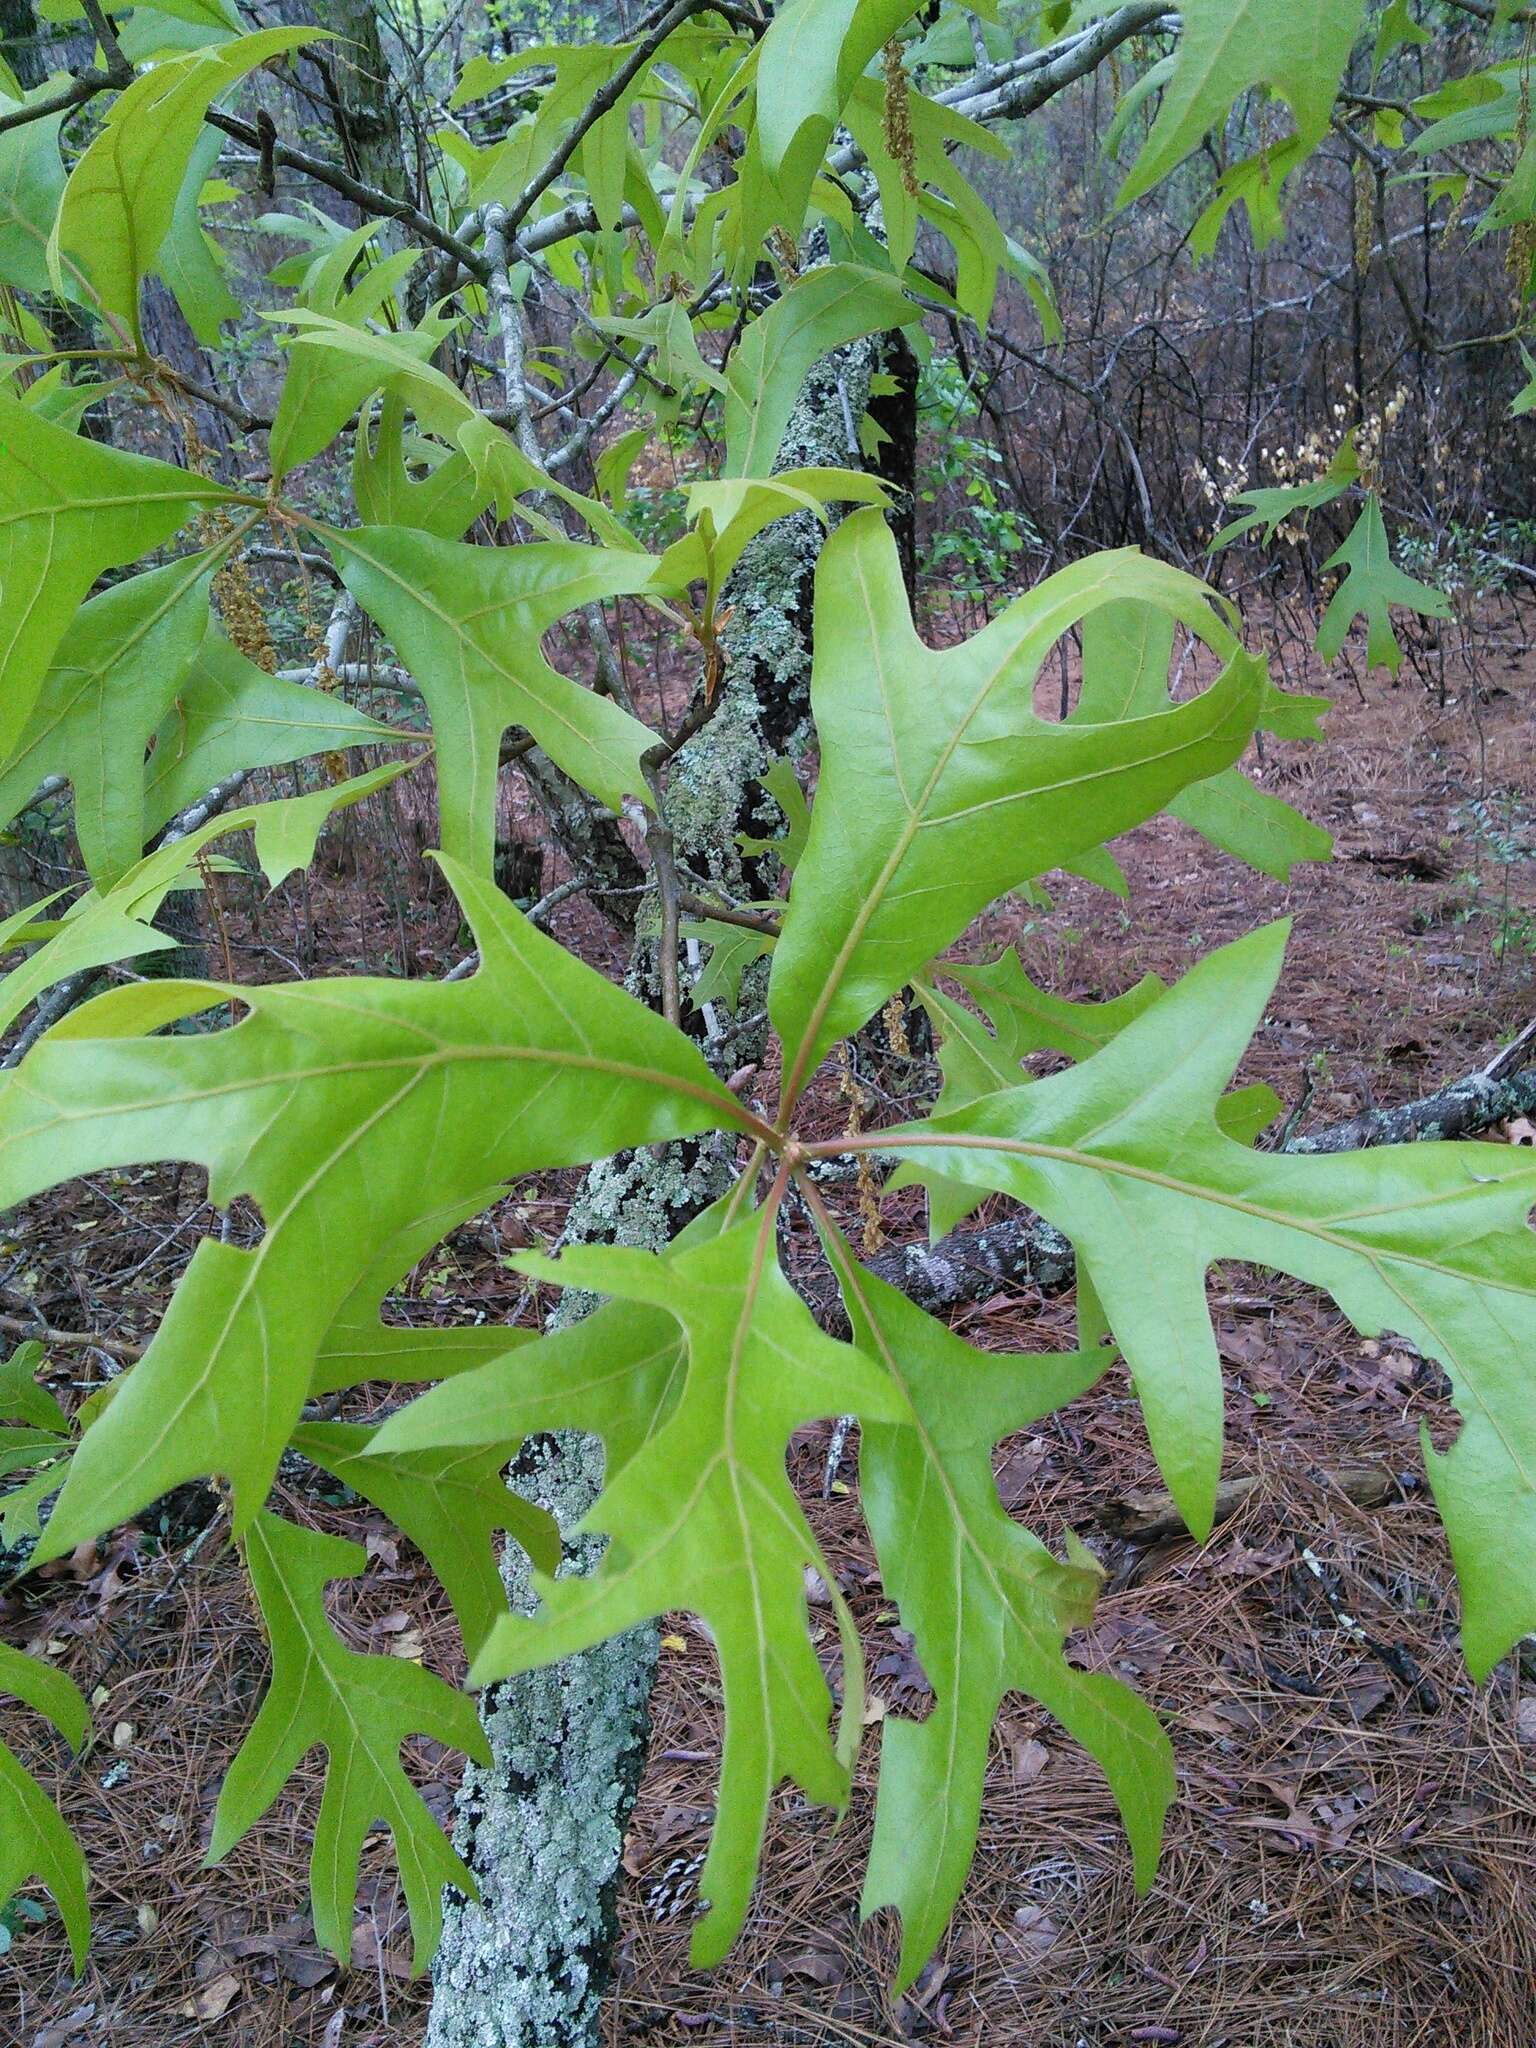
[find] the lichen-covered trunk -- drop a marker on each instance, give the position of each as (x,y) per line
(543,1827)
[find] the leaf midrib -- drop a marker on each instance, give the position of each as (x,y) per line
(422,1062)
(916,820)
(1195,1191)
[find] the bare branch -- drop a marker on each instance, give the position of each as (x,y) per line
(603,101)
(84,86)
(380,205)
(69,1340)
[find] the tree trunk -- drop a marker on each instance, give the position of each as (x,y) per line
(366,119)
(543,1827)
(350,81)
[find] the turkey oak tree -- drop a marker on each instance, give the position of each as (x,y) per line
(741,215)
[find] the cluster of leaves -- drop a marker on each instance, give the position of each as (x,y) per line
(366,1118)
(973,553)
(1371,582)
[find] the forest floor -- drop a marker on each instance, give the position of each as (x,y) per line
(1351,1857)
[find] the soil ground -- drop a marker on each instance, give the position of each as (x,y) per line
(1350,1860)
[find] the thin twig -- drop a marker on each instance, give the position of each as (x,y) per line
(378,204)
(85,85)
(728,913)
(657,834)
(69,1340)
(603,101)
(119,70)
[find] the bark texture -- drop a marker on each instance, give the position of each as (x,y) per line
(543,1827)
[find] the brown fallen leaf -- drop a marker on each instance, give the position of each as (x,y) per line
(1034,1930)
(1029,1760)
(212,2001)
(818,1966)
(66,2029)
(306,1967)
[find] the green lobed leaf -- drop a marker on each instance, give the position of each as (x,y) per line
(467,622)
(1124,1154)
(1134,97)
(124,663)
(21,1506)
(613,466)
(733,949)
(499,173)
(452,1503)
(1297,48)
(1513,205)
(974,1060)
(443,502)
(22,1399)
(103,927)
(21,1447)
(1257,184)
(732,511)
(120,202)
(808,64)
(667,330)
(989,1608)
(626,1361)
(1270,509)
(831,304)
(1027,1019)
(38,1433)
(702,1517)
(231,715)
(1396,27)
(334,369)
(361,1709)
(1127,652)
(783,785)
(1373,586)
(34,1842)
(411,1098)
(940,788)
(69,508)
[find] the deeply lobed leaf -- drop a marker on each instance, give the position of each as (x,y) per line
(360,1708)
(988,1607)
(1125,1154)
(699,1513)
(414,1101)
(940,787)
